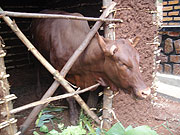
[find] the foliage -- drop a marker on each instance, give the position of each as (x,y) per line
(44,117)
(73,130)
(118,129)
(86,126)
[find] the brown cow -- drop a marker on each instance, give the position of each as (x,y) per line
(115,62)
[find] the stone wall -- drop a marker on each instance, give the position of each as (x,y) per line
(170,38)
(170,54)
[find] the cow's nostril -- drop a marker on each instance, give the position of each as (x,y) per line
(145,93)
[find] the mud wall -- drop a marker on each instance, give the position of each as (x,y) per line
(139,20)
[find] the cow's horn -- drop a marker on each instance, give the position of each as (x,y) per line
(113,49)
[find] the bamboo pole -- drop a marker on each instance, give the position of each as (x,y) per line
(107,100)
(50,99)
(42,15)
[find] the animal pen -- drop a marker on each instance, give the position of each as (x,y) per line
(24,58)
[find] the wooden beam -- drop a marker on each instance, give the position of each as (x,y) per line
(42,15)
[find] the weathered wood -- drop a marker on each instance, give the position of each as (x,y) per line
(107,101)
(66,68)
(50,99)
(41,15)
(9,129)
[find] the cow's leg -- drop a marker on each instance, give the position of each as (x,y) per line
(73,111)
(38,90)
(93,98)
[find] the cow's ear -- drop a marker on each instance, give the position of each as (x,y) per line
(135,41)
(106,45)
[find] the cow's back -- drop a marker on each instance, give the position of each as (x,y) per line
(57,39)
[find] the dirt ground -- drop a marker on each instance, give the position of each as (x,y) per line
(153,112)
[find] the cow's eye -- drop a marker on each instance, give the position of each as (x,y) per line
(127,66)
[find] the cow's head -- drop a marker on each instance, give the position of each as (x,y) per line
(122,66)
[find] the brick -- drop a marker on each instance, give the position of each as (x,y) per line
(165,14)
(175,58)
(165,3)
(167,68)
(173,34)
(167,19)
(173,2)
(176,7)
(165,24)
(168,46)
(176,18)
(176,69)
(168,8)
(174,23)
(163,32)
(177,46)
(160,68)
(162,57)
(173,13)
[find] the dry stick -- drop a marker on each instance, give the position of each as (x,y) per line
(54,86)
(50,99)
(42,15)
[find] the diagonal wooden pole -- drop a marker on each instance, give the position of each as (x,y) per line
(64,71)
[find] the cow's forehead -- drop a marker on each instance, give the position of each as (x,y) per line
(125,46)
(126,51)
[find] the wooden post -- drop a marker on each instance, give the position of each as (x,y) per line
(107,101)
(6,106)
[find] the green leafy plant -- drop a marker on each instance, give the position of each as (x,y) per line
(45,117)
(86,126)
(118,129)
(73,130)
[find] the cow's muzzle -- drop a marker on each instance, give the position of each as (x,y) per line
(142,94)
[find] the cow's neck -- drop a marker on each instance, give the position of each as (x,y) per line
(90,65)
(93,58)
